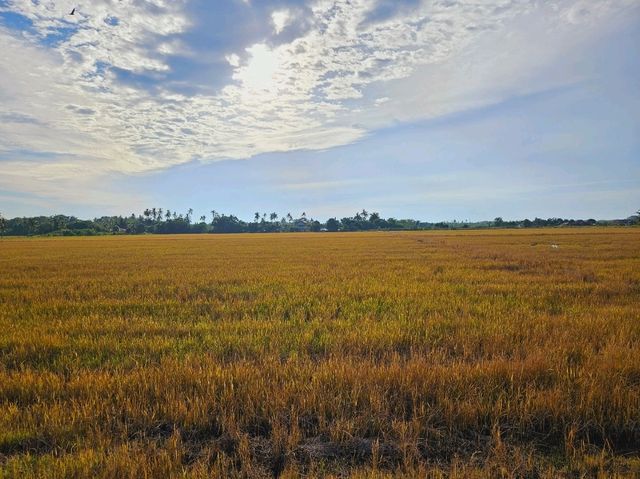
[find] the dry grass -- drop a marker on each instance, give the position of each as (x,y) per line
(431,354)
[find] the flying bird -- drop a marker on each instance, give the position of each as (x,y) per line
(73,12)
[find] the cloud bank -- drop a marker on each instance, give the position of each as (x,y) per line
(134,86)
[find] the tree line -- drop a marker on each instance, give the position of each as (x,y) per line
(161,221)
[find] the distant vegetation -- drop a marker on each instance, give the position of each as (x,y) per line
(160,221)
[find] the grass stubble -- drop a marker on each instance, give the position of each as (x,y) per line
(365,355)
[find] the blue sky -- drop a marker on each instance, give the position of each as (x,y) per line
(433,109)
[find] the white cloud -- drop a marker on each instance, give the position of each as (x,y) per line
(260,72)
(233,60)
(280,19)
(341,77)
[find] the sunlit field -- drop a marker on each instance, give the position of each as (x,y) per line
(418,354)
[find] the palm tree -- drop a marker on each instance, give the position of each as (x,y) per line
(214,213)
(168,214)
(147,213)
(273,216)
(154,213)
(289,217)
(159,214)
(256,216)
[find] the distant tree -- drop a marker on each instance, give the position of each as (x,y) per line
(32,224)
(137,228)
(175,223)
(256,216)
(228,224)
(333,224)
(351,224)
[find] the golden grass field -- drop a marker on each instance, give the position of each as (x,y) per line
(368,355)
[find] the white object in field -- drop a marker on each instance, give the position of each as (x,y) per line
(555,246)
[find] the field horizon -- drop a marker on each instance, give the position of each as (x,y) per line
(481,353)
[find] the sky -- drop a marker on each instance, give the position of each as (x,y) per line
(429,109)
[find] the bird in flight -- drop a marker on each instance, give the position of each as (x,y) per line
(73,12)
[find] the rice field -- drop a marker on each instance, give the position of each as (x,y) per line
(368,355)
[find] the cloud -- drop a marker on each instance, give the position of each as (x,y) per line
(12,117)
(280,19)
(233,59)
(324,185)
(104,89)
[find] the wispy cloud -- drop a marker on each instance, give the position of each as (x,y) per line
(100,88)
(325,185)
